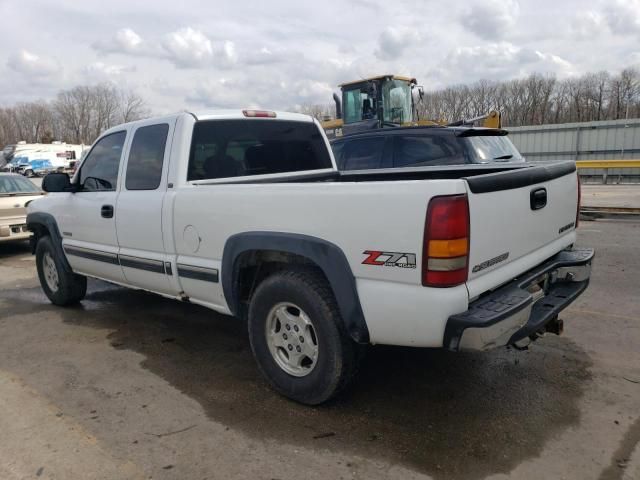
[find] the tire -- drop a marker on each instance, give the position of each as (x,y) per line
(301,295)
(29,173)
(60,285)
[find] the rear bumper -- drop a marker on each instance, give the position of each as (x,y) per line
(522,307)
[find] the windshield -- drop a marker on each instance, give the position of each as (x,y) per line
(16,184)
(396,98)
(494,148)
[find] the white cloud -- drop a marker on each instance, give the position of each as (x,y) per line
(125,40)
(188,48)
(229,50)
(103,70)
(32,64)
(491,19)
(623,16)
(588,24)
(501,61)
(278,54)
(393,41)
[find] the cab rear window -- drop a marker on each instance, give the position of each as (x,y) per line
(238,148)
(432,150)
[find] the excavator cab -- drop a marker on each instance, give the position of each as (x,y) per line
(376,102)
(387,101)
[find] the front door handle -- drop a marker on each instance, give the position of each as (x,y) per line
(106,211)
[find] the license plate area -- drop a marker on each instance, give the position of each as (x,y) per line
(539,287)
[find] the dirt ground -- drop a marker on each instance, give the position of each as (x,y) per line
(131,385)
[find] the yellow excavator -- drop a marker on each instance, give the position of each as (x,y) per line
(387,101)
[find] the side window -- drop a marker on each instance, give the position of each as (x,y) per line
(362,154)
(144,167)
(99,171)
(429,150)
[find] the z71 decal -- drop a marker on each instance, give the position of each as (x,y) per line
(389,259)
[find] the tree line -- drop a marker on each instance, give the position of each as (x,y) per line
(80,114)
(534,100)
(77,115)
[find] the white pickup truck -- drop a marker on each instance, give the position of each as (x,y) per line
(245,213)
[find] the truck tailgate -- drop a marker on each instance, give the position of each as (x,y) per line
(518,219)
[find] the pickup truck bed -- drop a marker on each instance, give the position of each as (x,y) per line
(247,215)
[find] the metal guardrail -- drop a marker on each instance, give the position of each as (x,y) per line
(608,164)
(610,171)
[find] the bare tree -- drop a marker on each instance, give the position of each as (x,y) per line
(132,107)
(319,112)
(86,111)
(32,120)
(539,99)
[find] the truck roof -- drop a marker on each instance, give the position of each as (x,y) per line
(227,114)
(232,114)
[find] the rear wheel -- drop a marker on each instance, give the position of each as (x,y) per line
(298,337)
(29,173)
(61,286)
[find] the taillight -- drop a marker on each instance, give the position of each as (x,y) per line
(579,200)
(259,113)
(445,255)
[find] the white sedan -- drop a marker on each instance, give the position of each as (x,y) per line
(15,192)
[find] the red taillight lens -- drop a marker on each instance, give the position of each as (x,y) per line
(445,254)
(579,199)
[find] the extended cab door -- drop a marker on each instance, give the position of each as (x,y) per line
(139,208)
(87,218)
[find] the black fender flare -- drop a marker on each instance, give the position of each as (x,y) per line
(327,256)
(40,220)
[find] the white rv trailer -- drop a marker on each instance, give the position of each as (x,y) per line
(60,154)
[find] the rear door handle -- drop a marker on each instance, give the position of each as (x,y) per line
(106,211)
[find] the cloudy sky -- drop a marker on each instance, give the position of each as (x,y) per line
(281,53)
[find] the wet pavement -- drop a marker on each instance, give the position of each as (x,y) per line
(152,388)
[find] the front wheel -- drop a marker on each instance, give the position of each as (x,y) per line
(29,173)
(298,337)
(61,286)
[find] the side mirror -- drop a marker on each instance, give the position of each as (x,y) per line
(56,182)
(419,89)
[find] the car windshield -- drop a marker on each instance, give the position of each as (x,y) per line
(494,148)
(15,184)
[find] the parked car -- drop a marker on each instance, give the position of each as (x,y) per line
(15,193)
(244,212)
(36,168)
(403,147)
(16,164)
